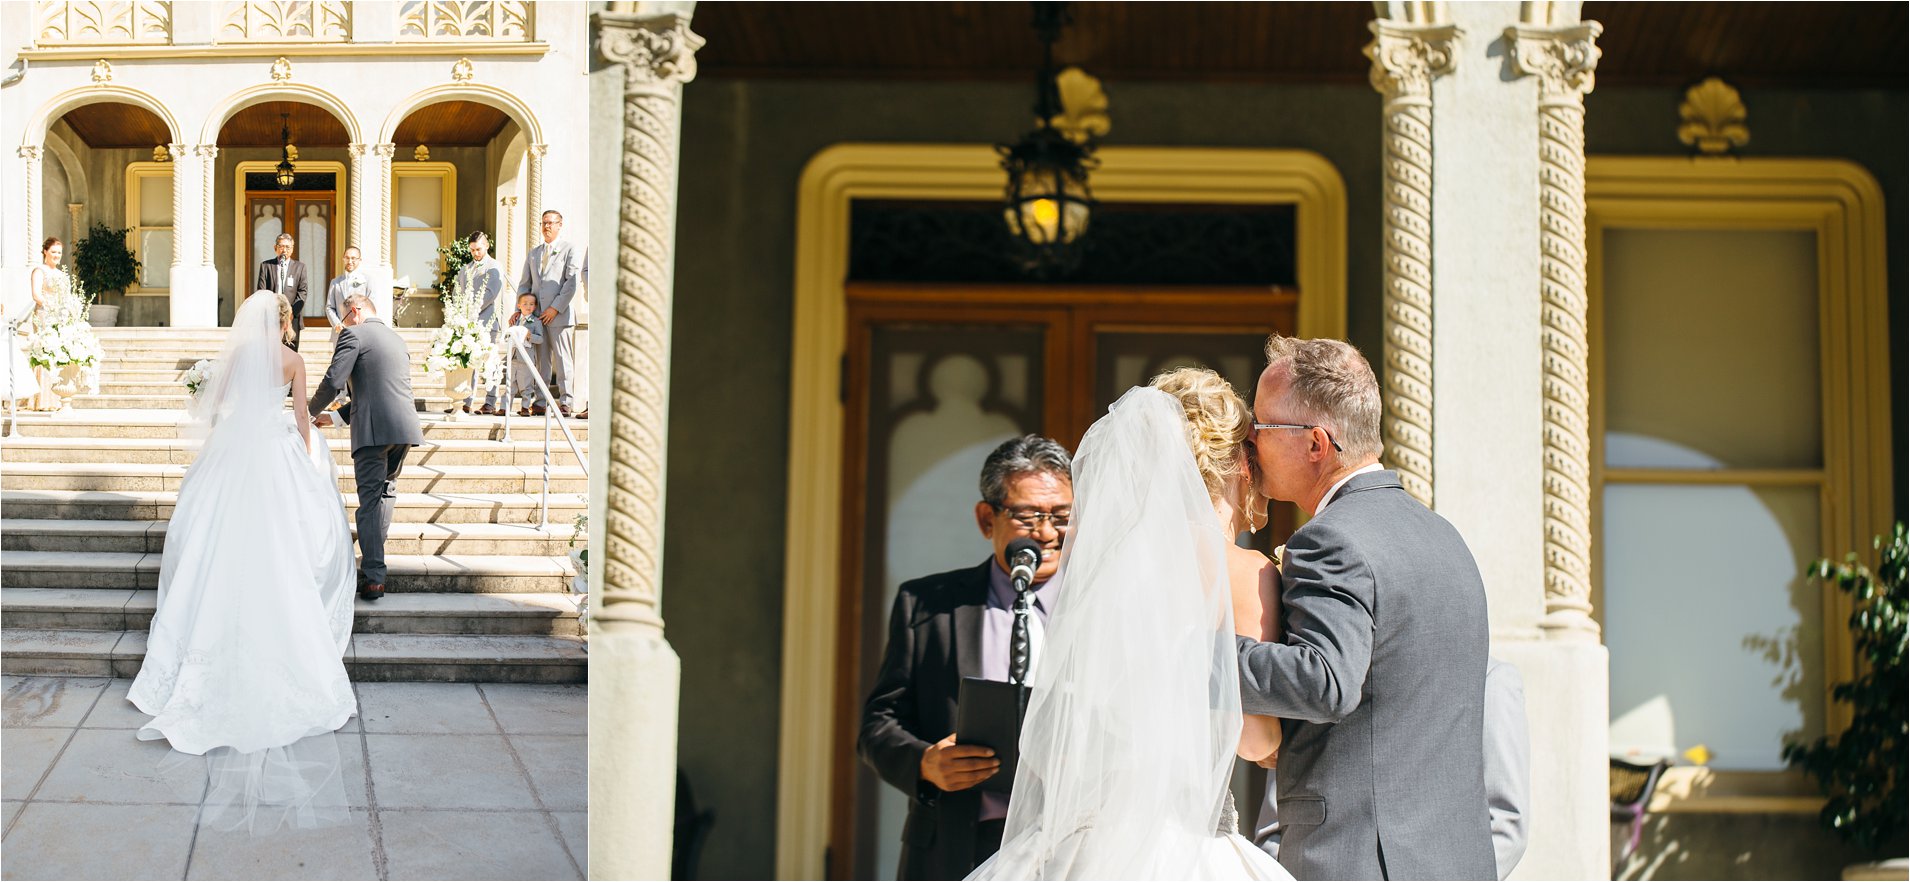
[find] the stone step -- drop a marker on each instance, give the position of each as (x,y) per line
(143,478)
(127,609)
(175,377)
(164,423)
(424,399)
(143,332)
(457,574)
(404,538)
(520,451)
(436,508)
(369,658)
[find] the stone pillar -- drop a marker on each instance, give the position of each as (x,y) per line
(1505,315)
(30,158)
(195,279)
(378,226)
(73,212)
(507,246)
(534,190)
(1406,58)
(634,703)
(357,230)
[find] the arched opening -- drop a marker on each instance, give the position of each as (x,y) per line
(252,207)
(458,167)
(106,163)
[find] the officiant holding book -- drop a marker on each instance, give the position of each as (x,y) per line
(960,624)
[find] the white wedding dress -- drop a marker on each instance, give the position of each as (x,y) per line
(244,659)
(1128,743)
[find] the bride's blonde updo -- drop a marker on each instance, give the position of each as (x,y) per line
(285,316)
(1217,424)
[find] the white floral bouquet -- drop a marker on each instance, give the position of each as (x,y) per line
(461,342)
(198,375)
(64,343)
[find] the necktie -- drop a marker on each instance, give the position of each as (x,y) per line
(548,253)
(281,275)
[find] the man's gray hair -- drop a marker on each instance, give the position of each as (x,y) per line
(1330,383)
(284,237)
(1020,456)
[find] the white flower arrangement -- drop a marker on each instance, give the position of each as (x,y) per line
(71,342)
(461,341)
(199,374)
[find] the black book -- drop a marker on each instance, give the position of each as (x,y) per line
(988,713)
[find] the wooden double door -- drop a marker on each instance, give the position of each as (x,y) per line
(934,379)
(310,216)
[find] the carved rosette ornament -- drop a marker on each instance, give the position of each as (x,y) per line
(658,54)
(207,171)
(1564,60)
(1406,58)
(102,71)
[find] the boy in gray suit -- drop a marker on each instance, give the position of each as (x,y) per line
(372,361)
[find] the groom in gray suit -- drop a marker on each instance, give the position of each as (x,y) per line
(1380,680)
(371,360)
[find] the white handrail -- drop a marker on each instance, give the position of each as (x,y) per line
(550,415)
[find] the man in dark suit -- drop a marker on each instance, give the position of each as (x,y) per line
(953,625)
(285,276)
(1381,678)
(373,362)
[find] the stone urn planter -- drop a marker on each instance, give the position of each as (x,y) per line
(103,316)
(68,385)
(1898,868)
(458,384)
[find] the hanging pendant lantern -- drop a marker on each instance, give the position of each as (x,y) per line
(1048,202)
(286,174)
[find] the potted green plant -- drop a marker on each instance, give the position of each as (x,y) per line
(104,265)
(1861,772)
(453,258)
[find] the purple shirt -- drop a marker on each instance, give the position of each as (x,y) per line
(998,629)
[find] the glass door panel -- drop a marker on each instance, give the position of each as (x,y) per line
(314,249)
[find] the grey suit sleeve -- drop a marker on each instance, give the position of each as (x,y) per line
(1319,673)
(344,356)
(1508,764)
(332,298)
(524,284)
(568,287)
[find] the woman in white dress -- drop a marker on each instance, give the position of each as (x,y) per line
(52,292)
(1134,722)
(244,660)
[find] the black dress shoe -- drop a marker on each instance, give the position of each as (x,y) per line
(371,590)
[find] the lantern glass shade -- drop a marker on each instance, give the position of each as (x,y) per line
(285,174)
(1047,206)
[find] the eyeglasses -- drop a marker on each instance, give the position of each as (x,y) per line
(1308,426)
(1032,519)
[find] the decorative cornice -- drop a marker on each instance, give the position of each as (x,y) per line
(652,49)
(1407,58)
(1562,58)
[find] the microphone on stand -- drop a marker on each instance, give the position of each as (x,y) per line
(1024,555)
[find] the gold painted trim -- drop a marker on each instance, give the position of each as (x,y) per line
(448,197)
(134,172)
(1704,790)
(1758,477)
(1842,204)
(241,278)
(273,50)
(846,172)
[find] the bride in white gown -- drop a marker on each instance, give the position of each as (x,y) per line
(244,659)
(1134,721)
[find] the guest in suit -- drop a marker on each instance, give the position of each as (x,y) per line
(1381,598)
(285,276)
(347,284)
(1508,772)
(551,272)
(952,625)
(374,363)
(482,280)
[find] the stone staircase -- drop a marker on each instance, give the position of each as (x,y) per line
(479,591)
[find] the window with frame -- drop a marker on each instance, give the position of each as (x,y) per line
(423,217)
(149,219)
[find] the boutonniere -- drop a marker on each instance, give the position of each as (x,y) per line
(357,282)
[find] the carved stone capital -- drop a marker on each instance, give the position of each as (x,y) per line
(30,153)
(207,151)
(385,151)
(1562,58)
(652,49)
(1407,57)
(357,151)
(538,150)
(178,151)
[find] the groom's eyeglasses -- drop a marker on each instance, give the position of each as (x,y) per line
(1032,519)
(1308,426)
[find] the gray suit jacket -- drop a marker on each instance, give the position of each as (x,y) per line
(1508,772)
(1381,687)
(556,288)
(485,281)
(371,360)
(335,294)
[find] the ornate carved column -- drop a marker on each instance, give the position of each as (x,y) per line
(534,190)
(380,225)
(506,246)
(657,55)
(182,203)
(355,228)
(208,180)
(31,159)
(1563,59)
(1406,58)
(73,212)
